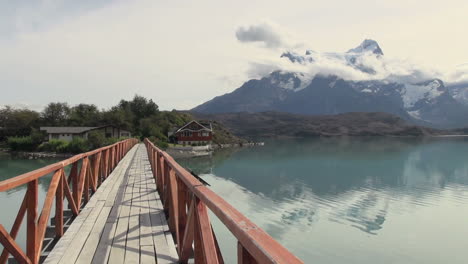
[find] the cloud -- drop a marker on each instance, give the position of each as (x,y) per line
(259,70)
(338,64)
(260,33)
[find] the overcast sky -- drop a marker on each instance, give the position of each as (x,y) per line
(183,53)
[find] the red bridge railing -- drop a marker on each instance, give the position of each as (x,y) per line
(88,171)
(187,200)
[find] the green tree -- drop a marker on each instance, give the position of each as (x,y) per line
(84,115)
(56,114)
(12,118)
(138,108)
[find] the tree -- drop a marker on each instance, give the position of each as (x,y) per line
(119,118)
(140,107)
(56,114)
(85,115)
(11,118)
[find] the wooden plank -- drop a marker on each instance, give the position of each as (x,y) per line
(147,249)
(132,248)
(85,225)
(57,253)
(145,219)
(105,244)
(91,245)
(147,255)
(87,253)
(163,252)
(117,253)
(76,245)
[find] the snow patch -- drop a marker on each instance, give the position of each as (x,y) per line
(416,114)
(289,85)
(414,93)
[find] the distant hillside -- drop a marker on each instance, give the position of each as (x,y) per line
(277,124)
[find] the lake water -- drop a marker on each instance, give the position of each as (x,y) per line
(349,200)
(10,201)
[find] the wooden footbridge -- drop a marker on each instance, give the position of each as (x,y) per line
(127,203)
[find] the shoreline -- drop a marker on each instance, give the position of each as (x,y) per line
(37,155)
(203,151)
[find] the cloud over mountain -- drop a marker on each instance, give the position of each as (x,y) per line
(263,33)
(359,80)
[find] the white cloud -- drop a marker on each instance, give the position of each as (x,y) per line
(183,53)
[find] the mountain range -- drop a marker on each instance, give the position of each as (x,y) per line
(369,85)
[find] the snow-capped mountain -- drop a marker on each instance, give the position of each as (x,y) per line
(368,45)
(371,86)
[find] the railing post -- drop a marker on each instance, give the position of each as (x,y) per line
(74,179)
(81,181)
(31,244)
(159,180)
(182,208)
(111,160)
(174,207)
(243,256)
(96,165)
(204,234)
(59,208)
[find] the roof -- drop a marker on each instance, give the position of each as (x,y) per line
(66,130)
(204,126)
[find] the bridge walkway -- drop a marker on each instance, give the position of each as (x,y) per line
(123,222)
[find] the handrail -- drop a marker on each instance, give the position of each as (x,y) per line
(186,199)
(84,177)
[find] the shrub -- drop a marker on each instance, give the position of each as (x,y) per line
(37,136)
(96,139)
(21,143)
(162,144)
(77,145)
(110,141)
(54,145)
(159,143)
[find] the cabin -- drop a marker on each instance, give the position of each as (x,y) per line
(68,133)
(192,133)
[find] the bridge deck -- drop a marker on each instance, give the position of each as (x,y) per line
(122,223)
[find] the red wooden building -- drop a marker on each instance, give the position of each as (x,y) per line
(193,133)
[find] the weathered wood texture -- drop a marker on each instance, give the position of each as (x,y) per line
(83,174)
(124,221)
(187,201)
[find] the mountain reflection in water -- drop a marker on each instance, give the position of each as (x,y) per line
(354,200)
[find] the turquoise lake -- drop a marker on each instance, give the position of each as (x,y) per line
(349,200)
(332,200)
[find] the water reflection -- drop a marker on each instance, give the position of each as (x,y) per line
(326,188)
